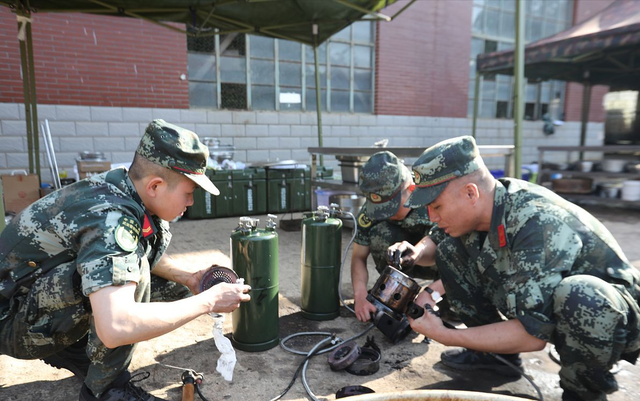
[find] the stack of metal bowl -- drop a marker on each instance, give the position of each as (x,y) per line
(350,167)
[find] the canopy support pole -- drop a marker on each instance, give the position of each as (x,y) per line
(34,103)
(584,120)
(364,10)
(476,95)
(29,89)
(518,101)
(402,9)
(318,88)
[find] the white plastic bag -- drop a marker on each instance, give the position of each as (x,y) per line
(227,360)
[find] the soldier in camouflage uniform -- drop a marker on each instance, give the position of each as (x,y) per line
(382,221)
(75,282)
(518,251)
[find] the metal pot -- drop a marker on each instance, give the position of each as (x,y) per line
(613,165)
(350,167)
(217,151)
(349,203)
(609,190)
(92,156)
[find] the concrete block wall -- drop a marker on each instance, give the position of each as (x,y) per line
(257,136)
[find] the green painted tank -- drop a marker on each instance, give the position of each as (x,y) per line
(320,264)
(254,257)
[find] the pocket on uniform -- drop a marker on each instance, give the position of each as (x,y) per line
(126,269)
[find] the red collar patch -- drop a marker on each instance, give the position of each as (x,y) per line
(502,236)
(148,228)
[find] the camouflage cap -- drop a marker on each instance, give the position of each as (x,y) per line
(177,149)
(381,180)
(440,164)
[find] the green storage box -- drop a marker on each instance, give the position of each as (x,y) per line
(249,191)
(242,193)
(207,206)
(289,190)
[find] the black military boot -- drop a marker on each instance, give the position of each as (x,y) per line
(123,389)
(569,395)
(466,359)
(73,358)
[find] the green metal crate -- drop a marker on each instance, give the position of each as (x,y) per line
(207,206)
(249,191)
(289,190)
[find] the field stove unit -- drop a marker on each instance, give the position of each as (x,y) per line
(393,296)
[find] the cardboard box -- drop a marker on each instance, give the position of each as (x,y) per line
(92,166)
(19,191)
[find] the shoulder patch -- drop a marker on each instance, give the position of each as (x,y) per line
(127,233)
(364,221)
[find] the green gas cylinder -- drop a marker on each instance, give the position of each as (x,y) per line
(320,264)
(254,257)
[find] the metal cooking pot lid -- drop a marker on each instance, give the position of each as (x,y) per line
(88,155)
(283,164)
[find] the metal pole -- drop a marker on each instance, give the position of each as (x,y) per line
(56,172)
(34,102)
(584,120)
(26,87)
(46,148)
(318,89)
(476,95)
(518,103)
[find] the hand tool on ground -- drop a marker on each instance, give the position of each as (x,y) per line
(190,382)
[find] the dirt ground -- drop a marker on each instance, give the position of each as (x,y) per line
(409,365)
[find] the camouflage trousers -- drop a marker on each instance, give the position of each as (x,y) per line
(383,235)
(22,338)
(596,322)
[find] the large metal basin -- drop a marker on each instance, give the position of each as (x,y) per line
(425,395)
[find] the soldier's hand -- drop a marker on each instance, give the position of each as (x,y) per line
(408,254)
(227,297)
(364,309)
(429,324)
(194,281)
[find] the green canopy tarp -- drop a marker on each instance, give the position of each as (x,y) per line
(286,19)
(603,50)
(306,21)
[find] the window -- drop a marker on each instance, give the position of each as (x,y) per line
(237,71)
(493,29)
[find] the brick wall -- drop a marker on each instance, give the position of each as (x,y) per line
(90,60)
(584,10)
(422,60)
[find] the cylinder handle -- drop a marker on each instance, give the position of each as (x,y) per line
(323,212)
(271,221)
(334,209)
(247,224)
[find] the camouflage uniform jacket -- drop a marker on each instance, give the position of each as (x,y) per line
(416,222)
(75,229)
(536,239)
